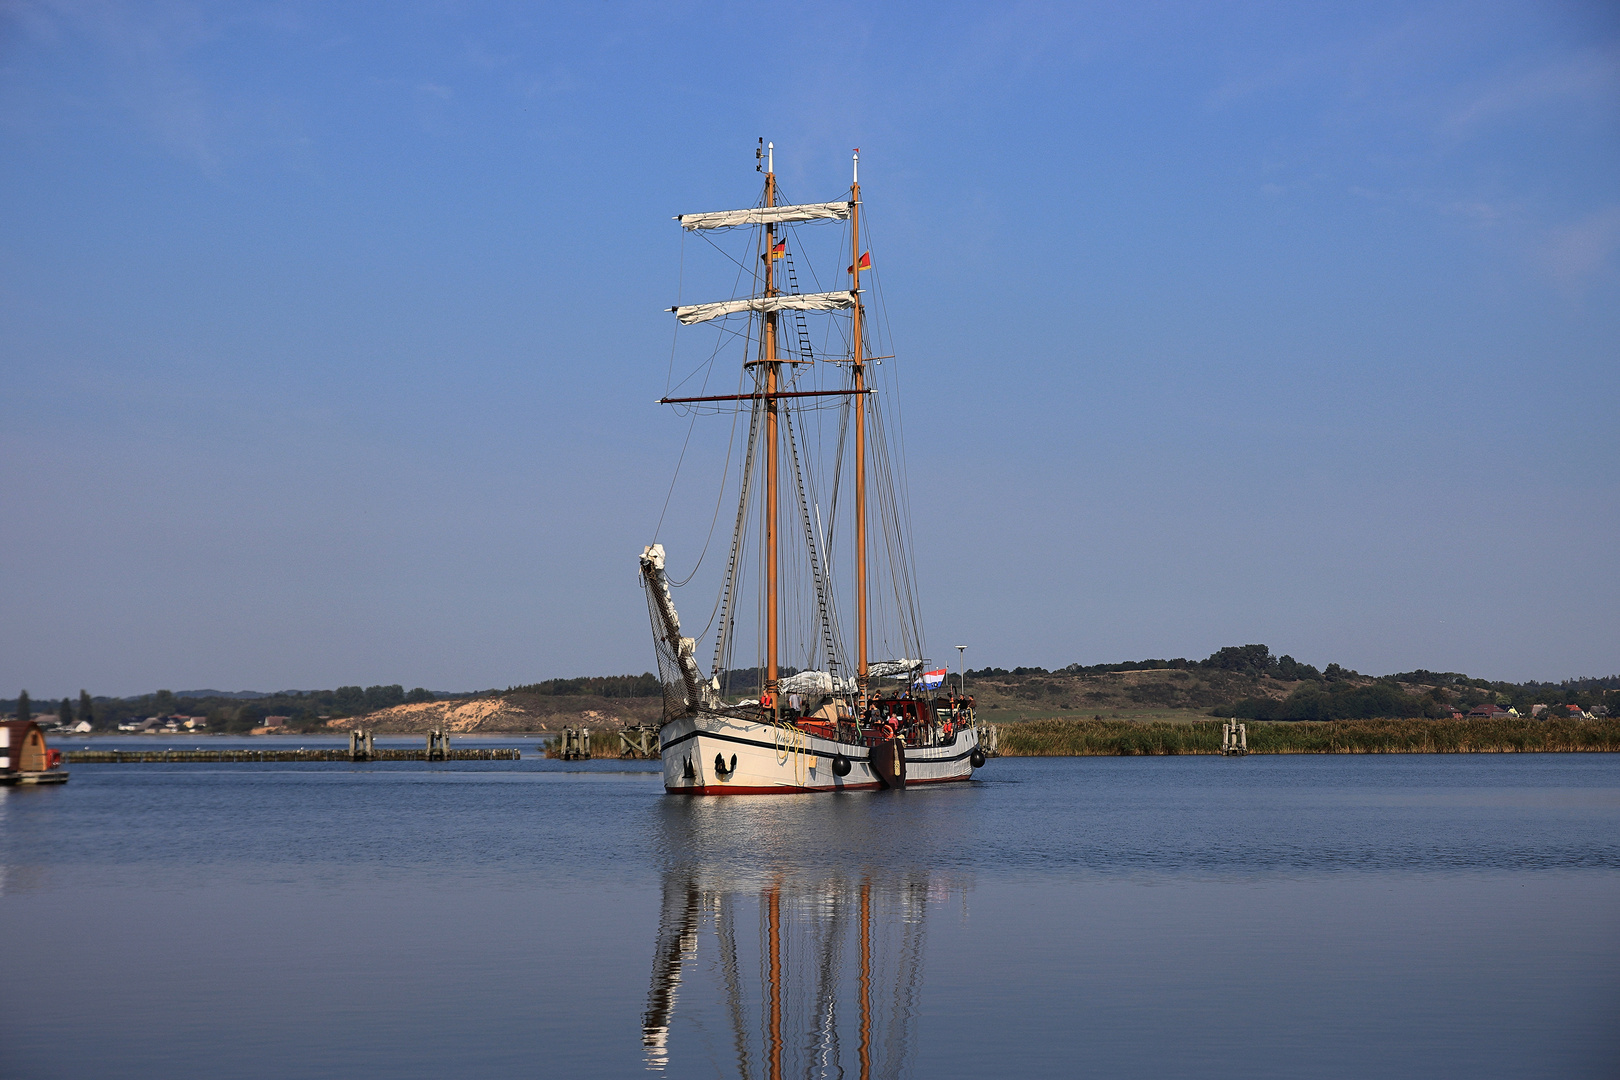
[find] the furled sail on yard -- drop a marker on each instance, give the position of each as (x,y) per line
(817,301)
(817,682)
(766,215)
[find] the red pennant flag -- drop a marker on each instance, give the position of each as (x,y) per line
(864,264)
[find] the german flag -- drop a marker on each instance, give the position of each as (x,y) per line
(864,264)
(780,250)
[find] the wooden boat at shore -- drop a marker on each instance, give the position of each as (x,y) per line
(25,758)
(840,723)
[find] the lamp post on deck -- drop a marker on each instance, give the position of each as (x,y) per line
(961,675)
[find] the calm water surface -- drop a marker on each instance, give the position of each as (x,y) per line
(1266,917)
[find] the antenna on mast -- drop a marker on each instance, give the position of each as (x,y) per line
(759,154)
(770,157)
(857,176)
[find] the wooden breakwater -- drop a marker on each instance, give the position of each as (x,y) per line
(120,757)
(1124,738)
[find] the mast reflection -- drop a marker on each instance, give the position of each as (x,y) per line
(760,973)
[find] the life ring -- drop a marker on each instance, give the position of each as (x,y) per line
(976,759)
(841,765)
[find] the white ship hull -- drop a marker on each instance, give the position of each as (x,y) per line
(710,754)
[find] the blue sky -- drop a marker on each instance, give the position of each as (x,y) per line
(328,333)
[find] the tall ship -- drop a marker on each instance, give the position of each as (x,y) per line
(821,528)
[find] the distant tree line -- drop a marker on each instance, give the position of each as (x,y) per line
(1244,659)
(1340,701)
(734,681)
(1340,693)
(645,685)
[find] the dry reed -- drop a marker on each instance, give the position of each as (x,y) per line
(1113,738)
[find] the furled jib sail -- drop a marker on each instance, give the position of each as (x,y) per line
(820,301)
(766,215)
(675,653)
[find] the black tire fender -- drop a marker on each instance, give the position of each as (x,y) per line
(976,759)
(841,765)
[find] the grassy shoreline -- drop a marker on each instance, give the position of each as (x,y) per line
(1123,738)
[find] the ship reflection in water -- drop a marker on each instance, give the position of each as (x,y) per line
(789,969)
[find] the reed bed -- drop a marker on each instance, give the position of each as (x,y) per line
(1116,738)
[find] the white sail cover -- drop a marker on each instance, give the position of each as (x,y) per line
(812,683)
(882,668)
(818,301)
(766,215)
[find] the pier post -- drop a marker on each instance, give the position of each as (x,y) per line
(576,744)
(438,745)
(1234,739)
(361,747)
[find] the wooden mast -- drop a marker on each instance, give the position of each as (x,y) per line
(858,367)
(768,344)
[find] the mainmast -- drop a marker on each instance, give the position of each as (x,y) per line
(858,367)
(769,356)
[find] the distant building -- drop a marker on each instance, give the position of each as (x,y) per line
(1537,710)
(1487,711)
(276,721)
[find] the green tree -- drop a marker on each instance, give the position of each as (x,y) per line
(1249,659)
(1292,670)
(86,709)
(163,703)
(64,713)
(384,697)
(25,708)
(247,718)
(418,695)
